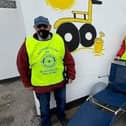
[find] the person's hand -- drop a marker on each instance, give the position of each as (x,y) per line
(30,88)
(117,58)
(70,81)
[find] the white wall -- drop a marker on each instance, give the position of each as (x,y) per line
(11,36)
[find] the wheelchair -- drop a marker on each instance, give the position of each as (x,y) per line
(108,106)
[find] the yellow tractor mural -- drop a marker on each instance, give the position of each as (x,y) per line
(87,32)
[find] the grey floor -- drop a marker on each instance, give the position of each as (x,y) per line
(17,107)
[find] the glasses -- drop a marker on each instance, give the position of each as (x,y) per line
(42,25)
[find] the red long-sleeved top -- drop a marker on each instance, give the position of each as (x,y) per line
(122,49)
(25,72)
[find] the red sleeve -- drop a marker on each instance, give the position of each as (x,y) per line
(23,66)
(122,49)
(70,65)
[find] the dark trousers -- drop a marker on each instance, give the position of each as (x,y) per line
(44,100)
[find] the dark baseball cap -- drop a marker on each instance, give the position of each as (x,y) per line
(41,20)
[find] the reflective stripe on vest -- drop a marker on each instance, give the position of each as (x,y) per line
(46,60)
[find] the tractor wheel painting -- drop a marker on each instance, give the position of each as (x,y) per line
(87,34)
(70,34)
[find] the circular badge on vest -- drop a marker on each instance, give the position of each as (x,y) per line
(49,60)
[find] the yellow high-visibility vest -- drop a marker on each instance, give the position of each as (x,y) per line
(123,57)
(46,60)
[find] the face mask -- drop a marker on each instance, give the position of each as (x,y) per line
(43,33)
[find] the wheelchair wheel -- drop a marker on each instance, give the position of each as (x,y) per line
(70,34)
(87,34)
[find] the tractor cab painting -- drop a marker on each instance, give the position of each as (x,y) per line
(85,35)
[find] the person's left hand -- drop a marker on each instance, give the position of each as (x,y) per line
(70,81)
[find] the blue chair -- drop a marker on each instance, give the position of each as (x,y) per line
(102,108)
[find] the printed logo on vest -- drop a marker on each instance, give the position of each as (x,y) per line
(49,60)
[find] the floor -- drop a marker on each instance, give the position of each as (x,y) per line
(17,106)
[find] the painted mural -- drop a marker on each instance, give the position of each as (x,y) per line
(86,35)
(60,4)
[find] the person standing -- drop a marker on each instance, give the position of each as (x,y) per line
(45,65)
(121,54)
